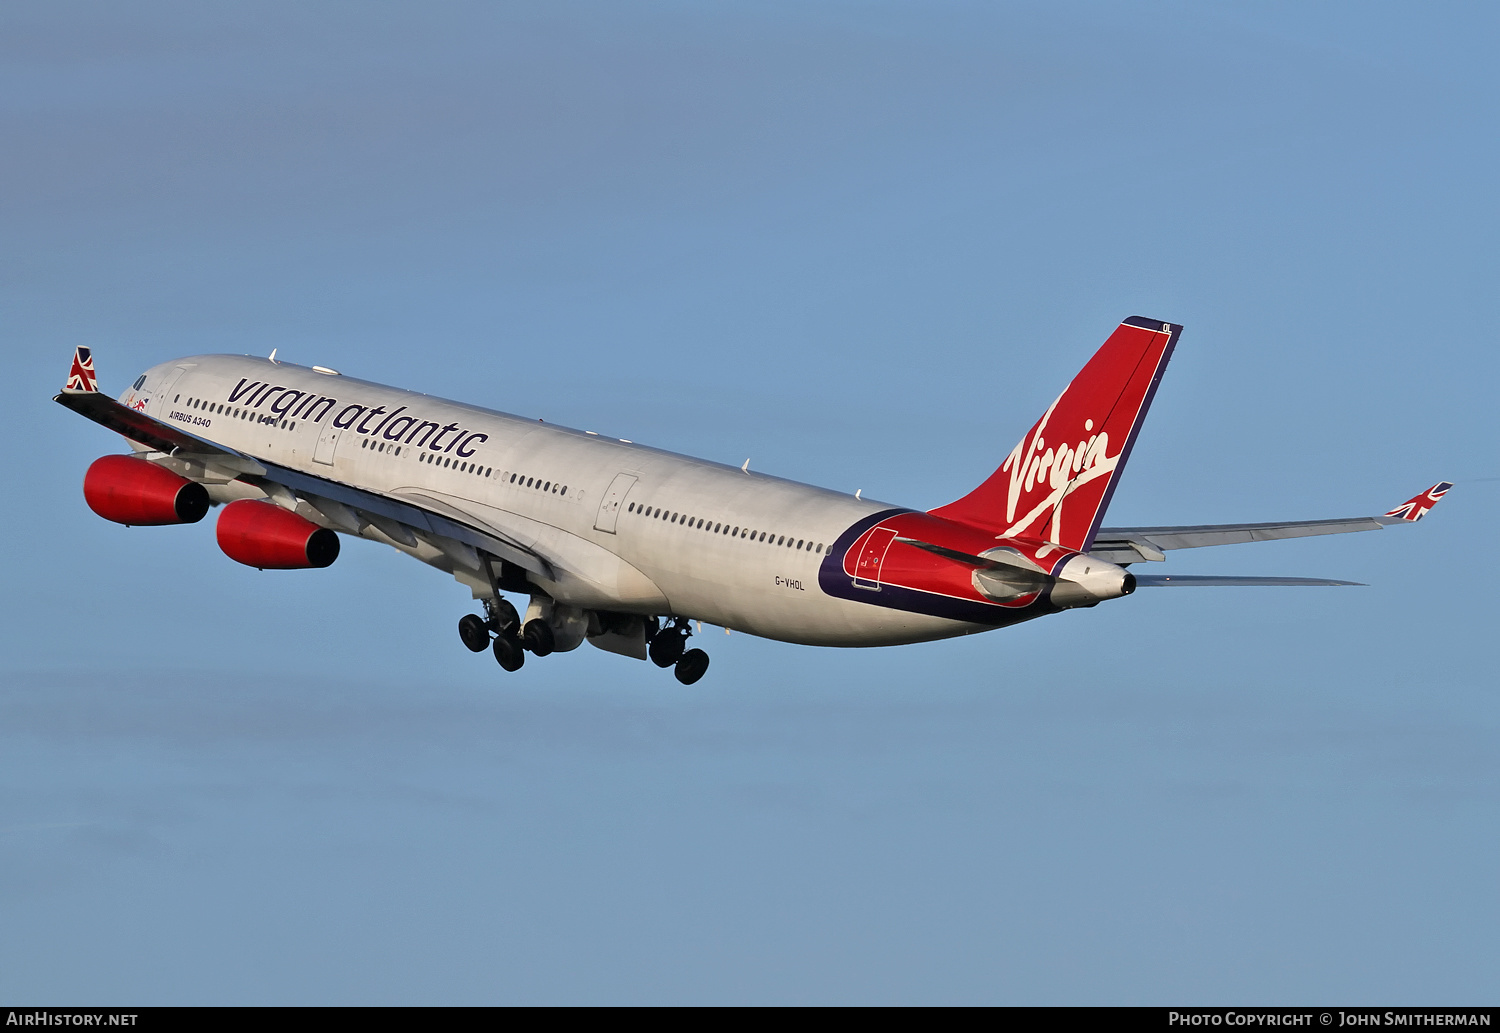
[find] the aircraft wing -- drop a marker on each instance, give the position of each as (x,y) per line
(1133,544)
(397,518)
(133,423)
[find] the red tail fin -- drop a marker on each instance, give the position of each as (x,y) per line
(1056,483)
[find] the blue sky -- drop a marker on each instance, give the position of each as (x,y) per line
(863,245)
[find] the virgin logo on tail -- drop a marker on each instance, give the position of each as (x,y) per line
(1055,485)
(1063,468)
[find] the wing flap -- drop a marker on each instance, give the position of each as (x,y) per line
(420,517)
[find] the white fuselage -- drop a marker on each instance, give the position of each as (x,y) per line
(732,548)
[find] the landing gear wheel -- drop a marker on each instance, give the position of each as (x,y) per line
(475,633)
(537,636)
(504,620)
(508,652)
(666,647)
(692,666)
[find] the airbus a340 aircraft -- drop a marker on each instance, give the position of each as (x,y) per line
(624,546)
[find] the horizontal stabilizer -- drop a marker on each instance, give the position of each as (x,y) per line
(1217,581)
(1134,544)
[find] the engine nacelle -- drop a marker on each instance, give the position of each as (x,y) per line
(132,491)
(263,535)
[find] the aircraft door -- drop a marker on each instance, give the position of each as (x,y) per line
(614,498)
(871,558)
(328,442)
(163,394)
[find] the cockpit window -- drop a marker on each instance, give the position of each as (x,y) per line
(138,382)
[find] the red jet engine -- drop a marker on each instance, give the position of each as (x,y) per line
(132,491)
(263,535)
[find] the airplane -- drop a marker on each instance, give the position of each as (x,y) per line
(625,546)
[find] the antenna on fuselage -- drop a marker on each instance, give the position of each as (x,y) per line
(273,353)
(746,467)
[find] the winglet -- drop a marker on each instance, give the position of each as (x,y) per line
(81,379)
(1416,508)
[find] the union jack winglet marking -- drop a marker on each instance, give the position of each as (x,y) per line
(81,376)
(1415,509)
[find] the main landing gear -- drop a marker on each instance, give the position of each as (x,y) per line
(509,644)
(512,640)
(668,648)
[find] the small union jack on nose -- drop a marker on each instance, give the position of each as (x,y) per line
(1415,509)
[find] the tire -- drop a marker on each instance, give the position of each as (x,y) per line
(692,666)
(537,636)
(471,628)
(508,652)
(666,647)
(507,621)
